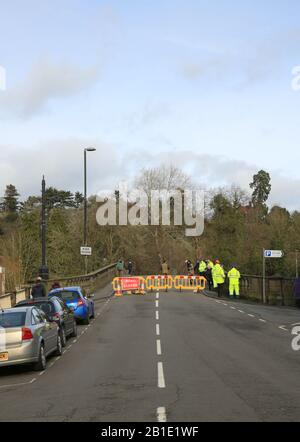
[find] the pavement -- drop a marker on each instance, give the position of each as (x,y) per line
(175,357)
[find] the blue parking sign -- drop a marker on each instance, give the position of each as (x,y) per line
(273,254)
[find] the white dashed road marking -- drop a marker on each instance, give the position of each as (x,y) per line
(158,347)
(157,315)
(18,385)
(58,357)
(282,327)
(161,377)
(157,330)
(161,414)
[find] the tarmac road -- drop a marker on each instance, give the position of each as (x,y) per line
(169,356)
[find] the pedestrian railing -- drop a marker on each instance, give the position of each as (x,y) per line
(90,282)
(279,290)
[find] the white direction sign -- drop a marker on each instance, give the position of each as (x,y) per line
(273,253)
(86,251)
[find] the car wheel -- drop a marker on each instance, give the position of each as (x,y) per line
(74,332)
(58,351)
(63,337)
(93,313)
(40,365)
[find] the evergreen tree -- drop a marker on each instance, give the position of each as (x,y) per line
(261,186)
(10,204)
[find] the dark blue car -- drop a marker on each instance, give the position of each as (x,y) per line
(74,297)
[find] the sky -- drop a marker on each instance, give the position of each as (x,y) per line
(203,84)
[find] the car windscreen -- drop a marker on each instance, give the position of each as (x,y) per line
(12,319)
(68,295)
(47,307)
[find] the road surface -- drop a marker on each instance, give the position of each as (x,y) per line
(166,357)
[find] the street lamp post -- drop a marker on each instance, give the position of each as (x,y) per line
(88,149)
(297,273)
(44,271)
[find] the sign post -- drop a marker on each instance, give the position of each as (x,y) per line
(269,254)
(86,251)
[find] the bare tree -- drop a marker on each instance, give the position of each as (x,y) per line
(163,178)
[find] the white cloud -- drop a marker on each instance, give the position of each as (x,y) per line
(62,163)
(151,113)
(211,66)
(2,78)
(47,80)
(213,171)
(257,62)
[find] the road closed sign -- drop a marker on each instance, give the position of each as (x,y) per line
(130,283)
(86,251)
(273,254)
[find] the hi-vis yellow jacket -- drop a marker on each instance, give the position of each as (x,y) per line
(218,274)
(234,274)
(210,264)
(202,266)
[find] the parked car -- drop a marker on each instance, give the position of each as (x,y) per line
(26,336)
(56,310)
(74,297)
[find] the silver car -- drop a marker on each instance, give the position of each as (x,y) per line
(26,336)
